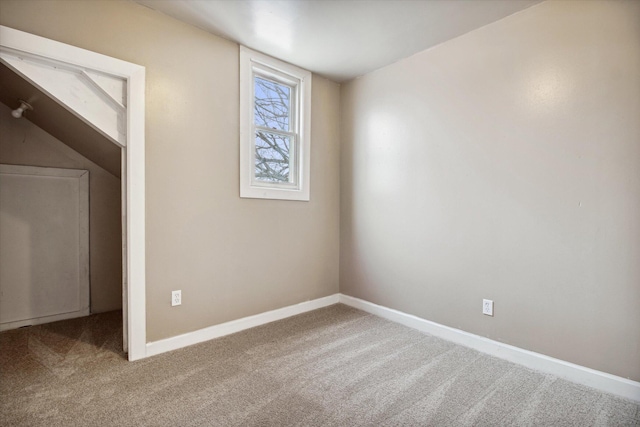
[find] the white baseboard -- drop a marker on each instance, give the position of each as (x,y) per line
(217,331)
(579,374)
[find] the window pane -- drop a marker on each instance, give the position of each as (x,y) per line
(272,157)
(272,104)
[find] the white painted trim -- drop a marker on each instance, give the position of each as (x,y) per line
(133,179)
(249,61)
(48,49)
(99,89)
(73,89)
(217,331)
(134,276)
(579,374)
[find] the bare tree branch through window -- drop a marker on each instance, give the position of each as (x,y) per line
(273,142)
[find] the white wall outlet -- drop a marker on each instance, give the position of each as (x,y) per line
(487,307)
(176,298)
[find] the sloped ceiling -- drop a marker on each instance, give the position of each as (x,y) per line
(339,39)
(58,121)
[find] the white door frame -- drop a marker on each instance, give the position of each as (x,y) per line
(133,163)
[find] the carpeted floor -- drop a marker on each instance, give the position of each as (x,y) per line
(332,367)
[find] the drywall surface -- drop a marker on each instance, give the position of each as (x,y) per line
(231,257)
(23,143)
(505,164)
(44,249)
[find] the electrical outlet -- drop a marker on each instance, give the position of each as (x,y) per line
(176,298)
(487,307)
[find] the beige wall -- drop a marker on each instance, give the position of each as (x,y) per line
(231,257)
(505,164)
(23,143)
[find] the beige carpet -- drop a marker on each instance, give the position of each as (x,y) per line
(332,367)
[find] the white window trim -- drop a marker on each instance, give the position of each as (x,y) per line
(250,60)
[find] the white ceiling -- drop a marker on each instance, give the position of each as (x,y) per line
(339,39)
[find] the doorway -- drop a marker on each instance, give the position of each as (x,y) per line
(55,68)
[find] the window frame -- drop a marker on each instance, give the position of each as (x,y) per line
(254,64)
(292,133)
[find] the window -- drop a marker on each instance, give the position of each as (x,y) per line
(275,111)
